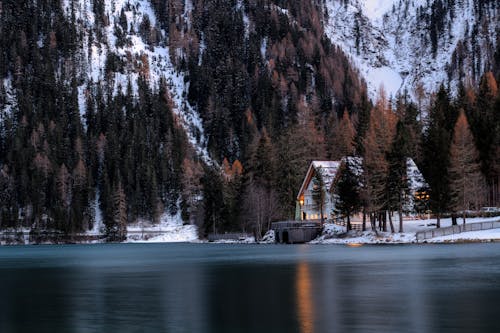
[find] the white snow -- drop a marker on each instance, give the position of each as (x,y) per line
(484,235)
(383,77)
(10,100)
(269,237)
(375,9)
(395,49)
(248,240)
(263,48)
(410,227)
(246,20)
(98,227)
(170,229)
(136,53)
(328,169)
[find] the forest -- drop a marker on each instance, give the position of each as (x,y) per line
(280,96)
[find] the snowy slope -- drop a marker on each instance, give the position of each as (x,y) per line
(389,41)
(170,230)
(142,58)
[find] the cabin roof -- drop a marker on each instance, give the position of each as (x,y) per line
(416,180)
(329,171)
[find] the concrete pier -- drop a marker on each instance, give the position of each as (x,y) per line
(294,232)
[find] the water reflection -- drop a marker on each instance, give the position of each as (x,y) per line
(202,288)
(305,304)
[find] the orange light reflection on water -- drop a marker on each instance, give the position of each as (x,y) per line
(305,305)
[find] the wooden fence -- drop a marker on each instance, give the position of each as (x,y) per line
(456,229)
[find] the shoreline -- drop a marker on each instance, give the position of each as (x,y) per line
(312,243)
(331,235)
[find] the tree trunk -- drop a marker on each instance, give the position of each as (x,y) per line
(463,216)
(373,223)
(453,219)
(364,220)
(349,221)
(322,216)
(400,213)
(390,223)
(438,220)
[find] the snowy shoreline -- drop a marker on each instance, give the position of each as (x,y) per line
(336,235)
(172,230)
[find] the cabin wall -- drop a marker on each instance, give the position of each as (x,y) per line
(309,209)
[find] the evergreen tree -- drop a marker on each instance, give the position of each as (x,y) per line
(466,181)
(116,228)
(436,145)
(397,180)
(342,143)
(292,165)
(347,189)
(484,122)
(319,191)
(377,145)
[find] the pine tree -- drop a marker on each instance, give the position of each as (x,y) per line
(348,199)
(377,145)
(342,142)
(484,121)
(436,145)
(117,229)
(191,188)
(292,165)
(397,182)
(213,201)
(319,191)
(466,181)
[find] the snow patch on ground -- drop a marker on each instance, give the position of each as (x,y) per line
(334,234)
(98,227)
(384,77)
(375,9)
(269,237)
(170,230)
(248,240)
(151,60)
(484,235)
(394,47)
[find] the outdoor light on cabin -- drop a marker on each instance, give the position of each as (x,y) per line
(301,201)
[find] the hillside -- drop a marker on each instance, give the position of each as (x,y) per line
(416,45)
(116,112)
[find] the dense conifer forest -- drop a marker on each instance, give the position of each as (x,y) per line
(272,93)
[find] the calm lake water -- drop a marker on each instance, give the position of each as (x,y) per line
(249,288)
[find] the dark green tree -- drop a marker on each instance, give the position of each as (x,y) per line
(347,188)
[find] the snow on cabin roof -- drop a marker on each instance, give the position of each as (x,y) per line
(328,170)
(415,178)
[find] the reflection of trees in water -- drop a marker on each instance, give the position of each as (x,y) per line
(305,306)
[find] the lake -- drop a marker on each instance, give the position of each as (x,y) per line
(249,288)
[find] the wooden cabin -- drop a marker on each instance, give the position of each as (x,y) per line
(308,209)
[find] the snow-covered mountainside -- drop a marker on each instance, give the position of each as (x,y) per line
(131,35)
(415,44)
